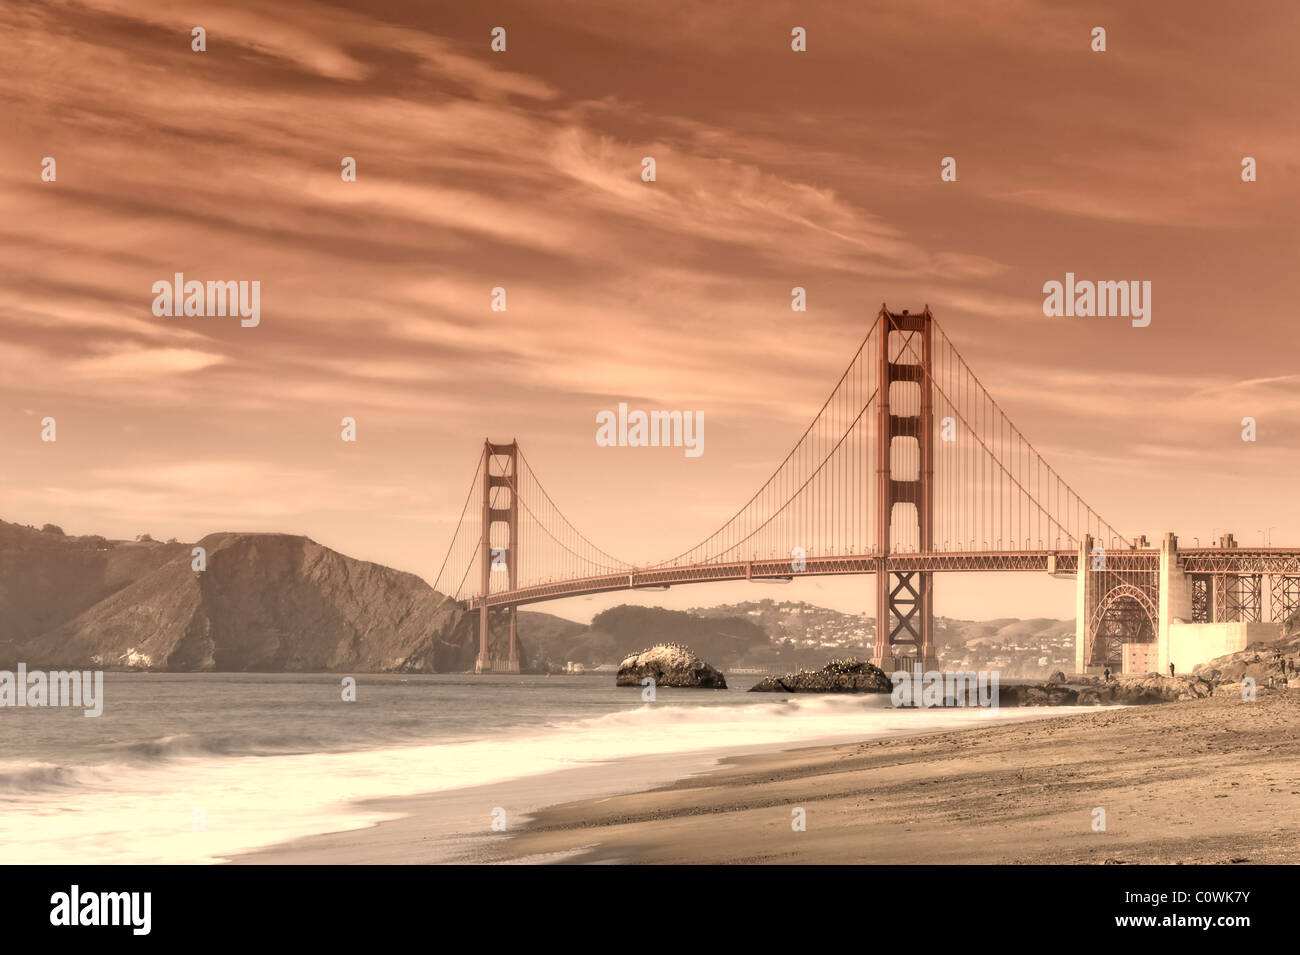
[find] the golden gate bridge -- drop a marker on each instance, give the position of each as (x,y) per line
(909,469)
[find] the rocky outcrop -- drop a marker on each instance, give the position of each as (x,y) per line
(1125,691)
(669,664)
(838,676)
(1274,661)
(1040,694)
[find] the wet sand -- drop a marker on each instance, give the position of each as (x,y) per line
(1206,781)
(456,825)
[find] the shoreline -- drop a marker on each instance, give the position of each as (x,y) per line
(1209,781)
(453,825)
(1212,780)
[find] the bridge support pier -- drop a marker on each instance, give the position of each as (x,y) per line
(904,601)
(1176,590)
(904,619)
(489,662)
(1082,606)
(502,559)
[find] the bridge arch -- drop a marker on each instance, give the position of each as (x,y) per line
(1125,613)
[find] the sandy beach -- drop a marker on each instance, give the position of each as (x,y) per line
(1206,781)
(1209,781)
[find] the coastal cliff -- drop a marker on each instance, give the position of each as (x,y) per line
(265,602)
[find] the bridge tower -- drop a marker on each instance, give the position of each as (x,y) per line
(497,560)
(904,601)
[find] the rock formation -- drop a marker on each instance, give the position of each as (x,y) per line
(838,676)
(1276,659)
(669,664)
(1090,691)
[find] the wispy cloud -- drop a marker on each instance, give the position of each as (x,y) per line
(522,170)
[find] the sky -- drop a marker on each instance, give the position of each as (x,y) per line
(521,169)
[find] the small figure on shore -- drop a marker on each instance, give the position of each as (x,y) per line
(1171,667)
(1105,674)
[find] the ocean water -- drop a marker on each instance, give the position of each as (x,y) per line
(261,759)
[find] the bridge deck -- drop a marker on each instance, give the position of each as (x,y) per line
(1202,560)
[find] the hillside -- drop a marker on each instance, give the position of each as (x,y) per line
(266,602)
(620,631)
(47,578)
(804,634)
